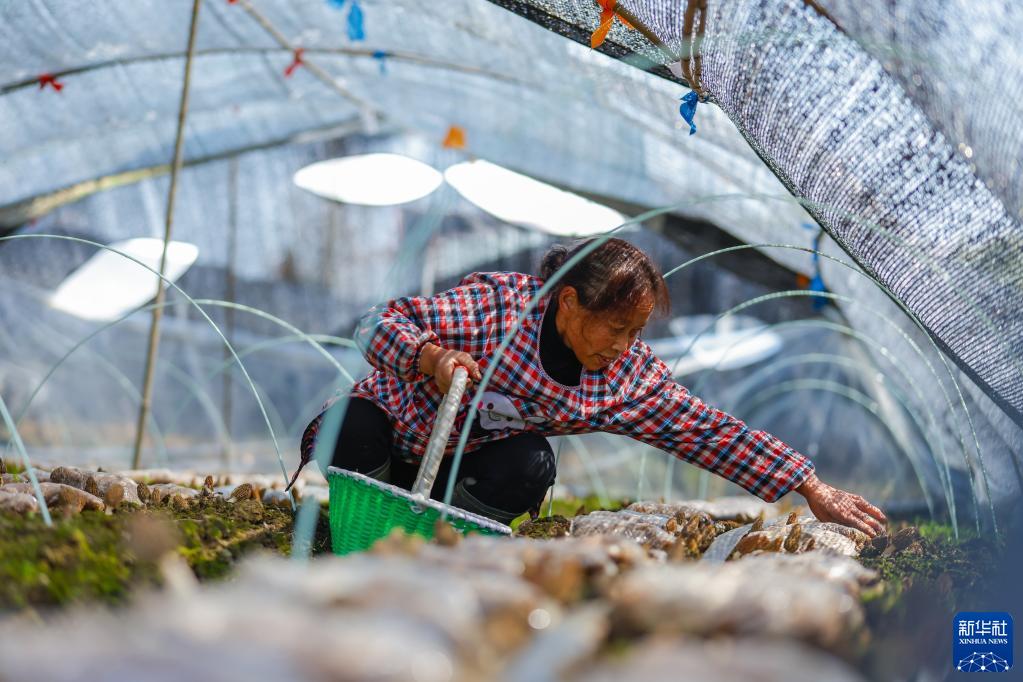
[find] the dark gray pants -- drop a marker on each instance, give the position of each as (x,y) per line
(501,480)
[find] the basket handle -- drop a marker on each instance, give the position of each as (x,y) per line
(439,438)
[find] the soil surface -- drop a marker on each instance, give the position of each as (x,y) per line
(103,556)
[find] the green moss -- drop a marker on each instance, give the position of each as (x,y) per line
(573,506)
(215,533)
(937,556)
(923,587)
(321,539)
(92,556)
(546,527)
(618,647)
(10,466)
(78,558)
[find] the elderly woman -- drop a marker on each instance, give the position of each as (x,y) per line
(576,365)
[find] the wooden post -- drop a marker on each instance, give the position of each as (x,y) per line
(154,328)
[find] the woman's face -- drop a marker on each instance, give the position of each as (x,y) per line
(597,339)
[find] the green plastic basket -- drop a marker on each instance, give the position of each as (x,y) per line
(363,510)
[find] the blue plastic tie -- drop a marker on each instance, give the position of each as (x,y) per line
(688,109)
(336,4)
(381,57)
(817,282)
(355,29)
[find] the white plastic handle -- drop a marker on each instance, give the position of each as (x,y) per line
(439,438)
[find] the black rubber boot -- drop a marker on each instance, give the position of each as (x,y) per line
(465,500)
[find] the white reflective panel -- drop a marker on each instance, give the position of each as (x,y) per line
(732,350)
(730,343)
(108,285)
(519,199)
(370,179)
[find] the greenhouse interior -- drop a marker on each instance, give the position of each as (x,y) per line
(281,398)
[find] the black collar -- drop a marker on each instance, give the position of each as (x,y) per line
(558,360)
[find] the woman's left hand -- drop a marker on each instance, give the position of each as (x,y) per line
(831,504)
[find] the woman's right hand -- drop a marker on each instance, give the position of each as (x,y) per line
(441,364)
(832,504)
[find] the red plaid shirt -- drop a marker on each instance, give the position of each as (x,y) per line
(635,396)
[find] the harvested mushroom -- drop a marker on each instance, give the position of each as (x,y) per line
(70,476)
(60,496)
(317,492)
(735,508)
(854,534)
(798,537)
(276,498)
(18,503)
(735,597)
(98,483)
(565,568)
(837,569)
(166,493)
(24,478)
(115,496)
(646,529)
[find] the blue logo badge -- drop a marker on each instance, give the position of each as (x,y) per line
(982,642)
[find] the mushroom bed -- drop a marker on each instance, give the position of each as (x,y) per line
(726,589)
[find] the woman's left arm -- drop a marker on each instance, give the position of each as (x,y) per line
(664,414)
